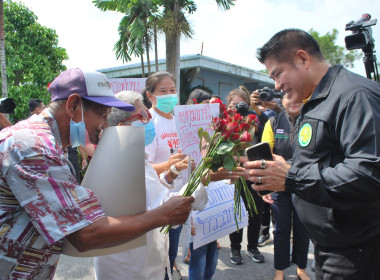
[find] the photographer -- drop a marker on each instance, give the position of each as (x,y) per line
(268,108)
(265,107)
(238,100)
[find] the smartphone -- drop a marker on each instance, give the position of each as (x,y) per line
(258,152)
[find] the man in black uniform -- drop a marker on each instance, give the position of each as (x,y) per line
(335,168)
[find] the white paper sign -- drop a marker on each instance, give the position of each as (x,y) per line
(217,219)
(116,175)
(131,84)
(189,118)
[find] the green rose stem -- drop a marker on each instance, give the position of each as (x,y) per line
(202,171)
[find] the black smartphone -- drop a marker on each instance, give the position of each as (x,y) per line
(258,152)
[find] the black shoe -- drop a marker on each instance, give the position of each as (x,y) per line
(255,255)
(264,239)
(236,257)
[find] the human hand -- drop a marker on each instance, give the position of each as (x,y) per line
(255,98)
(268,198)
(193,229)
(273,105)
(84,163)
(175,158)
(224,174)
(177,209)
(272,177)
(182,165)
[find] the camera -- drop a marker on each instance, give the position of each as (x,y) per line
(362,33)
(7,105)
(361,38)
(242,108)
(267,94)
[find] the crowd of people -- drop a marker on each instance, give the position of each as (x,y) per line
(324,181)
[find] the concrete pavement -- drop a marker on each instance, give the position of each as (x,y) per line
(83,268)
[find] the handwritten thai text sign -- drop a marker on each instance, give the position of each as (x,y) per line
(189,118)
(130,84)
(217,219)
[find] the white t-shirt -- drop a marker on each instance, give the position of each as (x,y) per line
(146,262)
(164,144)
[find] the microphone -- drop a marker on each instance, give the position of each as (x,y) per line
(365,17)
(354,24)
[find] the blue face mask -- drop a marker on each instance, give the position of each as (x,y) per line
(78,132)
(150,131)
(166,103)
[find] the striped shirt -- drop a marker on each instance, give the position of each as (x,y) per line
(40,200)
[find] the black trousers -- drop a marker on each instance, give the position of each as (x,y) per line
(287,219)
(254,224)
(356,263)
(265,219)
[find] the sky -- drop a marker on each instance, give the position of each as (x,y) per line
(88,34)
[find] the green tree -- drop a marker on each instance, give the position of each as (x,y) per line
(168,16)
(333,53)
(136,29)
(33,59)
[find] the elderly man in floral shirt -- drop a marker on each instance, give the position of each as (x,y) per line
(40,200)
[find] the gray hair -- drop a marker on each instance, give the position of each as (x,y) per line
(116,116)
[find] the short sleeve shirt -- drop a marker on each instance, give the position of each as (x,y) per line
(40,200)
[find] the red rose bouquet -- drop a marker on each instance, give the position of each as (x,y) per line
(232,135)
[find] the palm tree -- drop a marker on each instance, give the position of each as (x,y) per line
(134,28)
(172,22)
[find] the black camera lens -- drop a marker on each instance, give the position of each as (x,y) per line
(242,108)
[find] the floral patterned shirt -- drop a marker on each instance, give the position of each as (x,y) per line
(40,200)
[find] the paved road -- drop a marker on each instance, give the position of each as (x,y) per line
(83,269)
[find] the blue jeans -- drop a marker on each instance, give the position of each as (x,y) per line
(173,246)
(203,261)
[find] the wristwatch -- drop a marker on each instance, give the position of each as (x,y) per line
(174,170)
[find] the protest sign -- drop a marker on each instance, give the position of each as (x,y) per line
(130,84)
(189,118)
(217,219)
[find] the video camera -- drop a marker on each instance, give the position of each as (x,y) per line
(267,94)
(362,39)
(362,33)
(7,105)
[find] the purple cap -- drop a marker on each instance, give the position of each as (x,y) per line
(91,85)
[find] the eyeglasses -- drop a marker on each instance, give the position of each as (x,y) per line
(144,116)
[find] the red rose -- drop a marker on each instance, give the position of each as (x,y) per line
(226,134)
(232,127)
(244,126)
(237,117)
(251,119)
(234,137)
(217,101)
(245,137)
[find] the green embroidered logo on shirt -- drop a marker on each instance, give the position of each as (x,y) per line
(305,135)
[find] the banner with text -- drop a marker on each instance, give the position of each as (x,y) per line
(189,118)
(217,219)
(130,84)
